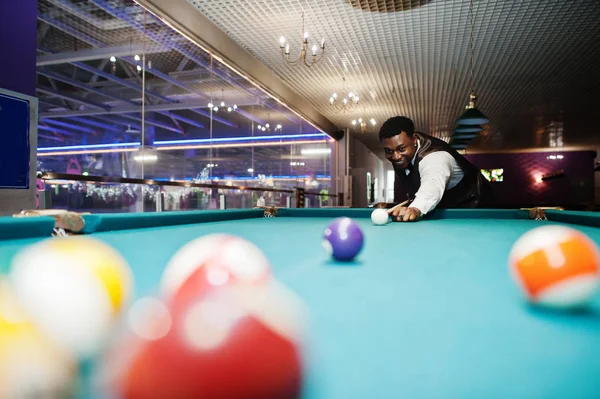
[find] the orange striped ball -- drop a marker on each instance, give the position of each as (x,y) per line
(556,266)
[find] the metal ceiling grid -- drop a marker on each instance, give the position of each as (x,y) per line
(533,58)
(386,5)
(57,39)
(67,26)
(89,21)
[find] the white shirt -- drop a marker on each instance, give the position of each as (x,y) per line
(439,172)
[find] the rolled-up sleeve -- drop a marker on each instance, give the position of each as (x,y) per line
(435,171)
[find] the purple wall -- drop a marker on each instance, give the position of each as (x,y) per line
(522,169)
(18,41)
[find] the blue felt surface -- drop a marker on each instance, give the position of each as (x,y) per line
(25,227)
(408,319)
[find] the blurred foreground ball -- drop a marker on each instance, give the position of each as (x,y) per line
(228,341)
(556,266)
(31,365)
(74,288)
(226,259)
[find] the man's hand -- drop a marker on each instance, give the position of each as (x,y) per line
(405,214)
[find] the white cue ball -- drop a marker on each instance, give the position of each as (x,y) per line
(379,216)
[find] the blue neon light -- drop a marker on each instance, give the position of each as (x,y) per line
(250,177)
(241,139)
(191,141)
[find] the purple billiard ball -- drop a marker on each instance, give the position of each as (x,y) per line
(343,239)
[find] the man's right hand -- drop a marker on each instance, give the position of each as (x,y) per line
(405,214)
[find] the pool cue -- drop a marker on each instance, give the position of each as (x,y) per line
(400,205)
(545,208)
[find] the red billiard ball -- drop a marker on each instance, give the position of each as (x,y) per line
(225,258)
(556,266)
(228,341)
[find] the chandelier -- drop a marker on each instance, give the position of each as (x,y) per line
(346,102)
(215,107)
(302,57)
(362,124)
(267,126)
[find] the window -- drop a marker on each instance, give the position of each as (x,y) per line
(368,187)
(493,175)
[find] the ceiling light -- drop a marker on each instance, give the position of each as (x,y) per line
(315,151)
(468,129)
(223,104)
(137,57)
(250,170)
(464,136)
(145,158)
(472,116)
(285,50)
(267,127)
(361,125)
(348,100)
(113,59)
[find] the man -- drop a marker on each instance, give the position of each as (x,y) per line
(429,172)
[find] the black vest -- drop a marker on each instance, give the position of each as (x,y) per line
(471,192)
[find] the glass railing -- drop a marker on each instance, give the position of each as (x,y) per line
(98,194)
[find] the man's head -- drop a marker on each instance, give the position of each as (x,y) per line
(398,140)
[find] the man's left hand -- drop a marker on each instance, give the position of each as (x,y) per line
(404,214)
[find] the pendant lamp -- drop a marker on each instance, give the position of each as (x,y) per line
(472,115)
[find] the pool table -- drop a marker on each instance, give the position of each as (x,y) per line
(427,310)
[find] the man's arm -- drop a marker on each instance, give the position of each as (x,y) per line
(435,170)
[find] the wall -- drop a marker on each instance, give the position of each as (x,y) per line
(362,161)
(18,35)
(521,170)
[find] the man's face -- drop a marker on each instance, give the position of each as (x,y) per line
(399,149)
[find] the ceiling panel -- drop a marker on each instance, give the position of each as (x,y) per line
(536,61)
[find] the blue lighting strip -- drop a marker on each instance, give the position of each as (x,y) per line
(89,146)
(242,139)
(253,178)
(192,141)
